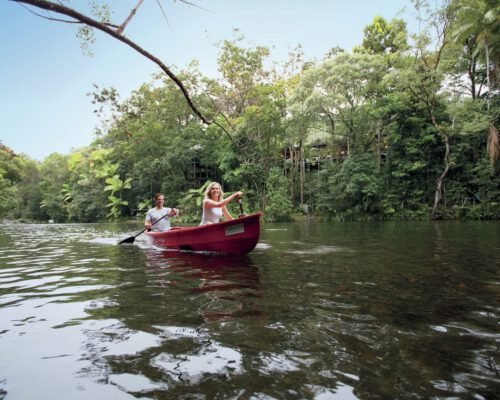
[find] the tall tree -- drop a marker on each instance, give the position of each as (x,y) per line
(55,173)
(478,25)
(478,28)
(383,37)
(425,82)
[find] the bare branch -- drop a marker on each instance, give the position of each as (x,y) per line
(61,9)
(129,18)
(163,12)
(58,19)
(194,5)
(48,18)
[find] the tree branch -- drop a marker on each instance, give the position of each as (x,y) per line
(129,18)
(60,9)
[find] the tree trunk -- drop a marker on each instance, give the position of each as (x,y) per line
(302,171)
(292,172)
(493,145)
(379,147)
(440,182)
(488,74)
(471,68)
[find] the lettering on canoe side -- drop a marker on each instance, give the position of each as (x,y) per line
(235,229)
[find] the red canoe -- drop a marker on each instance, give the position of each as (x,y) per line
(237,236)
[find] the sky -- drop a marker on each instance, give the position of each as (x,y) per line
(45,78)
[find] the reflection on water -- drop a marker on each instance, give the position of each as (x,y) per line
(228,282)
(317,311)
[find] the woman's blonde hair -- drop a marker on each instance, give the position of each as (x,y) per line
(209,187)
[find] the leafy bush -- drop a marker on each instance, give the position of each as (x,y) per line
(279,207)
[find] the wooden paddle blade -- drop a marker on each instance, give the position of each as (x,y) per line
(130,239)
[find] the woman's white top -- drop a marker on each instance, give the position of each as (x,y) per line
(211,215)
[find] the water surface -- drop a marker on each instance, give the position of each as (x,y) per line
(316,311)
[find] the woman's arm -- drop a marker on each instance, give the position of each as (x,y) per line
(226,213)
(208,203)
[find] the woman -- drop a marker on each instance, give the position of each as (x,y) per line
(214,204)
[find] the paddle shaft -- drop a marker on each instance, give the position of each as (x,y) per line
(241,207)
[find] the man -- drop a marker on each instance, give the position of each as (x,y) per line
(159,212)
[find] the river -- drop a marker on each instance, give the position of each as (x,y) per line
(316,311)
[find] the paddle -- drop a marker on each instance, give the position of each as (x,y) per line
(131,239)
(242,214)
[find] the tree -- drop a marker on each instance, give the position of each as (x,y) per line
(242,70)
(279,207)
(157,140)
(54,173)
(478,28)
(116,186)
(382,37)
(10,175)
(254,105)
(424,83)
(84,195)
(259,132)
(353,188)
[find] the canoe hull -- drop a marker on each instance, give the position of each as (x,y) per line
(237,236)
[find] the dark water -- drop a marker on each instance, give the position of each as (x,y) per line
(317,311)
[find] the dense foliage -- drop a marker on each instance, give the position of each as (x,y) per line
(392,130)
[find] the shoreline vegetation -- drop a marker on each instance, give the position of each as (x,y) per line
(460,215)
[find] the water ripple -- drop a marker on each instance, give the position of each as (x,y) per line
(316,311)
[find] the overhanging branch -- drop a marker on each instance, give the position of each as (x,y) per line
(69,12)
